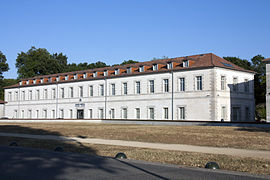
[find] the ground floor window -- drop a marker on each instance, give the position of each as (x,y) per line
(45,114)
(15,114)
(151,113)
(138,113)
(80,114)
(53,114)
(247,114)
(236,114)
(70,113)
(166,113)
(22,113)
(223,113)
(90,113)
(124,113)
(62,113)
(37,113)
(30,114)
(112,114)
(100,114)
(182,113)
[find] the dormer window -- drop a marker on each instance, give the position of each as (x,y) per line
(76,76)
(105,73)
(57,78)
(27,82)
(20,82)
(42,80)
(141,69)
(155,67)
(84,75)
(129,70)
(170,65)
(116,71)
(66,77)
(185,63)
(50,80)
(95,74)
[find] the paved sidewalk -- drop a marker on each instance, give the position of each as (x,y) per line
(175,147)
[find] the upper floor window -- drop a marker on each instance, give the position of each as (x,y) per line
(30,95)
(101,87)
(198,83)
(53,94)
(223,82)
(185,63)
(23,95)
(246,84)
(182,84)
(235,84)
(71,94)
(166,85)
(62,93)
(80,91)
(113,89)
(91,91)
(155,67)
(37,95)
(45,94)
(16,96)
(9,96)
(125,88)
(141,69)
(116,71)
(152,86)
(138,87)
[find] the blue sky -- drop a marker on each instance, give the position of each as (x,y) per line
(115,30)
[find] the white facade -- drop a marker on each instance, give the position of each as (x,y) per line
(205,94)
(2,110)
(267,90)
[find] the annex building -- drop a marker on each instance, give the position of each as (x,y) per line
(267,94)
(201,87)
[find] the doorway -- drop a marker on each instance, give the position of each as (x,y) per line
(236,114)
(80,114)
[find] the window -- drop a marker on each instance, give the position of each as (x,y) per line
(138,87)
(116,71)
(185,63)
(170,65)
(155,67)
(223,113)
(129,70)
(16,96)
(62,113)
(141,69)
(45,114)
(100,115)
(91,91)
(45,93)
(182,84)
(236,113)
(30,95)
(223,82)
(37,113)
(247,114)
(9,96)
(138,113)
(166,85)
(71,93)
(125,88)
(42,80)
(66,77)
(198,83)
(124,113)
(235,84)
(182,114)
(57,78)
(101,87)
(113,89)
(80,91)
(246,85)
(70,113)
(105,73)
(166,113)
(112,114)
(152,86)
(37,95)
(95,74)
(90,113)
(151,113)
(75,76)
(62,93)
(23,95)
(53,114)
(22,113)
(30,114)
(53,94)
(15,113)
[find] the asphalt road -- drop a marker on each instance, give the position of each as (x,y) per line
(25,163)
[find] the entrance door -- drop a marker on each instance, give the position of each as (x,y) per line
(80,114)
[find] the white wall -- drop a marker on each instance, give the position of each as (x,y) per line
(1,110)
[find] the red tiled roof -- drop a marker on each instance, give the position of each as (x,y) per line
(2,102)
(195,62)
(266,60)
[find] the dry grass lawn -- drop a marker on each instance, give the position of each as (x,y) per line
(236,137)
(250,165)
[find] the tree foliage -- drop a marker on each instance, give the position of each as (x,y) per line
(4,83)
(3,65)
(39,62)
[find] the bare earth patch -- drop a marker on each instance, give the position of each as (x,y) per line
(250,165)
(234,137)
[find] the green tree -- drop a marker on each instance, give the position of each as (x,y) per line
(39,62)
(129,62)
(3,65)
(240,62)
(4,83)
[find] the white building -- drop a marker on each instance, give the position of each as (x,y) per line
(2,105)
(267,61)
(196,88)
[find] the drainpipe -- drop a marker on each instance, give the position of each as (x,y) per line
(105,103)
(172,95)
(56,111)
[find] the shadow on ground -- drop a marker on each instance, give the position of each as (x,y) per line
(254,129)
